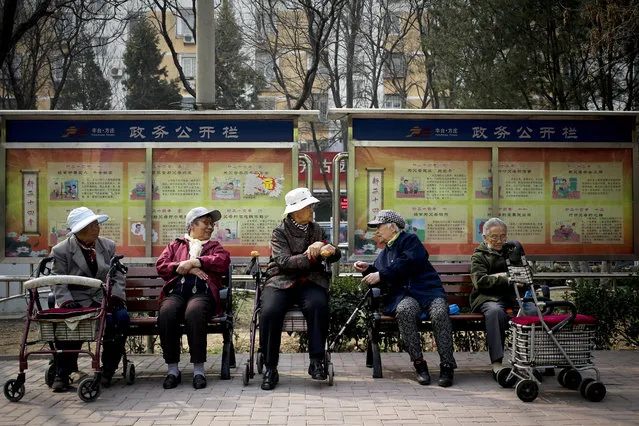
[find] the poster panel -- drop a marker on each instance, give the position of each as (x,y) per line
(587,203)
(246,185)
(434,189)
(66,179)
(574,201)
(44,185)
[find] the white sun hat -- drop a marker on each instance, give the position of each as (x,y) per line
(202,211)
(297,199)
(81,217)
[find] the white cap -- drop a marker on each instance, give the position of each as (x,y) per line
(81,217)
(297,199)
(202,211)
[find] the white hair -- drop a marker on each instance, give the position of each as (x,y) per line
(493,222)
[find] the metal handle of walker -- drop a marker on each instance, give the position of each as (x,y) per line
(573,313)
(254,267)
(115,263)
(42,267)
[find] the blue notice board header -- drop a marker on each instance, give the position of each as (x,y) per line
(149,131)
(603,129)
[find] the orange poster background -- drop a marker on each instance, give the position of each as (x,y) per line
(385,157)
(124,210)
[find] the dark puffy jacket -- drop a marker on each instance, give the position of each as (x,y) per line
(405,269)
(483,264)
(288,265)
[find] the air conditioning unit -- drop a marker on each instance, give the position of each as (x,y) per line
(188,39)
(116,72)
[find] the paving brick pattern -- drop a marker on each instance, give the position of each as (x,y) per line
(355,399)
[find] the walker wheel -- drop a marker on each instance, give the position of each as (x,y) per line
(245,375)
(503,378)
(331,374)
(89,389)
(595,391)
(527,390)
(583,384)
(49,375)
(562,376)
(129,373)
(12,392)
(572,378)
(260,362)
(538,375)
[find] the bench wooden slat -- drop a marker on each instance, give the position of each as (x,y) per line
(142,271)
(456,279)
(452,268)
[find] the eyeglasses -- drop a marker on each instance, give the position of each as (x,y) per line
(208,222)
(496,238)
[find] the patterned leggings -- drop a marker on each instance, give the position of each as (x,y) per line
(407,316)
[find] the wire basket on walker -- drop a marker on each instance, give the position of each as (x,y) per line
(540,341)
(84,324)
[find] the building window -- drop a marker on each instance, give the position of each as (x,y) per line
(188,65)
(185,21)
(396,66)
(264,64)
(321,66)
(393,101)
(393,23)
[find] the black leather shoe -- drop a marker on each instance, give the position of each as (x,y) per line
(199,381)
(105,379)
(316,370)
(172,381)
(421,368)
(446,373)
(271,377)
(60,384)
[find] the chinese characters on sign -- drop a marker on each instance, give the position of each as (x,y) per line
(30,208)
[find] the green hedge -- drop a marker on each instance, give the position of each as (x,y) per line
(616,309)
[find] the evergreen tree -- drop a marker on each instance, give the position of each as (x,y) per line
(86,88)
(237,83)
(146,83)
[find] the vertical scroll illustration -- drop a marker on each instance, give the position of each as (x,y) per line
(375,191)
(30,207)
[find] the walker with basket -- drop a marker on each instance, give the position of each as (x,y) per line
(62,325)
(294,321)
(541,341)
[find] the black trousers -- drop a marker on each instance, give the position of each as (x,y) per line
(113,341)
(194,312)
(275,302)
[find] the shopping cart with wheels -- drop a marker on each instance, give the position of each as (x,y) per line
(62,325)
(551,341)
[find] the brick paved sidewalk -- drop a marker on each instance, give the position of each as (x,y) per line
(355,399)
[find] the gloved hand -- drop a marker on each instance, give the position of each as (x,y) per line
(72,305)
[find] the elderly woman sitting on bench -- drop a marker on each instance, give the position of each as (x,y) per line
(413,286)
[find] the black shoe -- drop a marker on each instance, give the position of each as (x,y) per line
(60,384)
(172,381)
(446,373)
(199,381)
(271,377)
(421,368)
(105,379)
(316,370)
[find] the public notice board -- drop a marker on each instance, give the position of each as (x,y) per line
(247,185)
(575,199)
